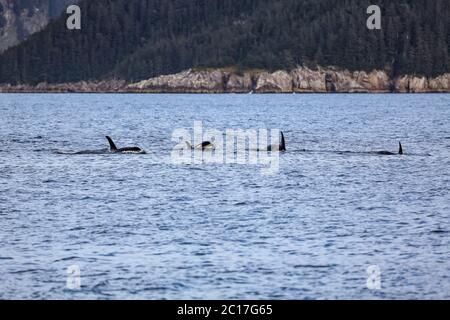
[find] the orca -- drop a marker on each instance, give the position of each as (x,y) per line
(388,153)
(278,147)
(126,150)
(205,145)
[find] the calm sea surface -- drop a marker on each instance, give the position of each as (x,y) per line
(143,227)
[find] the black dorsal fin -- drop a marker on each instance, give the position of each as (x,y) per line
(111,144)
(400,148)
(283,142)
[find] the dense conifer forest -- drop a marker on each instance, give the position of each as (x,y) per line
(137,39)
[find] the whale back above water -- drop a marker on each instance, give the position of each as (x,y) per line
(114,149)
(388,153)
(205,145)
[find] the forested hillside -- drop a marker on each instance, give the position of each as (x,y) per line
(137,39)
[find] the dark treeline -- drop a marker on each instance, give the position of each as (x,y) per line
(137,39)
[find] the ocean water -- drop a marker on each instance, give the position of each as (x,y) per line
(144,227)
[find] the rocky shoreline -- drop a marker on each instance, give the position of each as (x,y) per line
(299,80)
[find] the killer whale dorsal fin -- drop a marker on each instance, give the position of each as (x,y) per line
(283,142)
(400,148)
(112,146)
(188,145)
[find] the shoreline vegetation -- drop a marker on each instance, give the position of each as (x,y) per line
(230,80)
